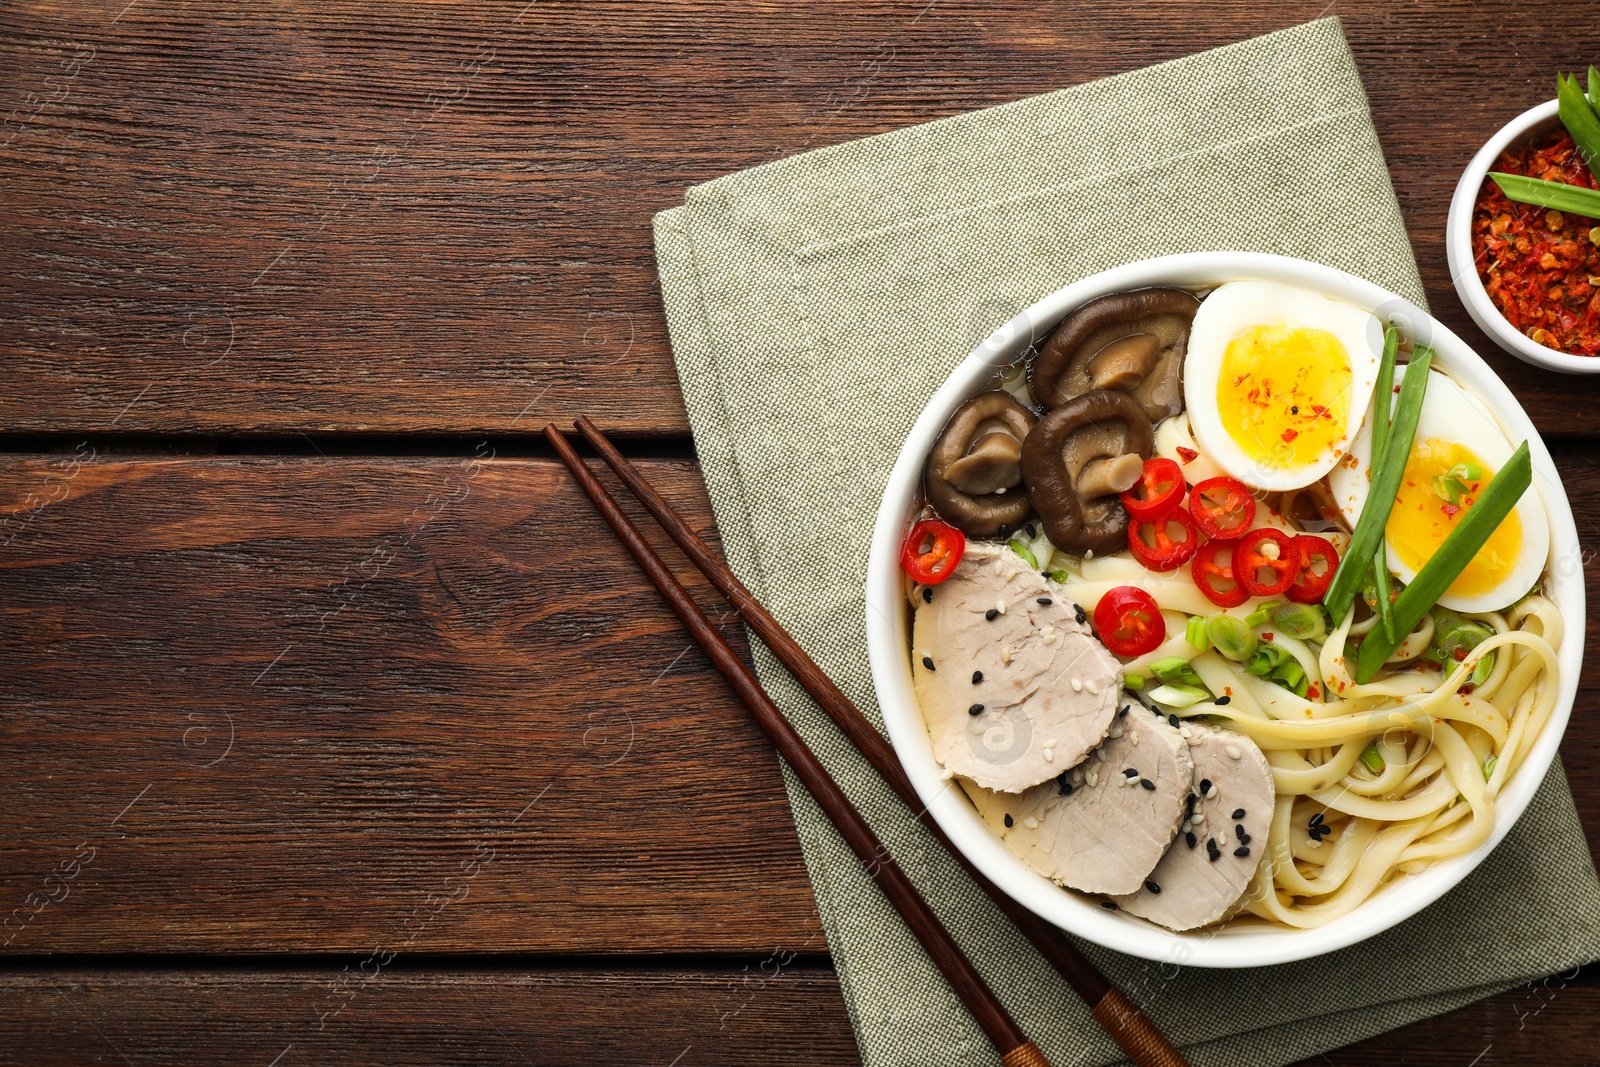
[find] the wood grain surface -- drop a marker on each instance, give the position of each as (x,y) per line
(761,1012)
(319,705)
(352,216)
(378,706)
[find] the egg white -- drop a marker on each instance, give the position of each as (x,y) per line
(1236,306)
(1450,413)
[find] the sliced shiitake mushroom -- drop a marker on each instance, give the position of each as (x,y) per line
(1076,461)
(1132,342)
(976,466)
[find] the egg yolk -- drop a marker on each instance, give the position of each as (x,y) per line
(1422,518)
(1283,393)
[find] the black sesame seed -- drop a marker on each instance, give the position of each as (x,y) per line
(1066,789)
(1045,601)
(1109,905)
(1147,783)
(1222,701)
(977,676)
(1244,839)
(1009,821)
(1005,528)
(976,709)
(1129,772)
(1190,840)
(1152,886)
(1238,829)
(992,614)
(1172,720)
(1077,610)
(1294,409)
(1238,813)
(1124,710)
(1212,852)
(1316,820)
(1241,851)
(927,594)
(1031,531)
(1188,805)
(927,661)
(1205,785)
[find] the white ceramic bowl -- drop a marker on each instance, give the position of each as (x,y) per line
(1236,945)
(1458,249)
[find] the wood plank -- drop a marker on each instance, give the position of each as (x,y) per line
(341,216)
(406,654)
(763,1012)
(757,1013)
(275,705)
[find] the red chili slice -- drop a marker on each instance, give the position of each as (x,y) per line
(1250,560)
(1129,622)
(1318,560)
(1158,490)
(1212,570)
(1153,543)
(931,551)
(1223,508)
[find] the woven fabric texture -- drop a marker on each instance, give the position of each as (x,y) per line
(814,305)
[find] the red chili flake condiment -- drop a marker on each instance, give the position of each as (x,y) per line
(1541,267)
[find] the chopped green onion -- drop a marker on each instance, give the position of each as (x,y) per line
(1267,658)
(1451,558)
(1449,487)
(1489,764)
(1021,548)
(1579,118)
(1304,622)
(1260,616)
(1061,577)
(1231,637)
(1381,409)
(1385,488)
(1469,471)
(1178,696)
(1563,197)
(1169,668)
(1372,758)
(1291,674)
(1194,632)
(1133,681)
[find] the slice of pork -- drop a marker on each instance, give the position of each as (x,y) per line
(1013,687)
(1098,827)
(1208,866)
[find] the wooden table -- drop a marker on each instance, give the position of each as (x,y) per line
(334,726)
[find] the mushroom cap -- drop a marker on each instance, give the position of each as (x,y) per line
(1133,342)
(977,463)
(1074,462)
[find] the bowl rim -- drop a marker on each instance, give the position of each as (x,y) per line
(1459,257)
(888,640)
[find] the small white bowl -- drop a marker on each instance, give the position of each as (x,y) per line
(888,640)
(1458,249)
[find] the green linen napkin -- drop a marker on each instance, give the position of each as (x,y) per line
(814,305)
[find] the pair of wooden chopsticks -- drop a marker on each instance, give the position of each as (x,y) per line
(1122,1020)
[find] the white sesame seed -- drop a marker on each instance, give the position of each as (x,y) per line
(1313,842)
(1005,655)
(1077,685)
(1031,823)
(1186,827)
(1116,731)
(1088,553)
(1093,777)
(1050,743)
(1198,817)
(1233,751)
(946,774)
(1135,740)
(1091,687)
(1050,639)
(1000,606)
(1049,755)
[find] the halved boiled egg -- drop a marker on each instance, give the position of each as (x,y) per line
(1457,449)
(1277,379)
